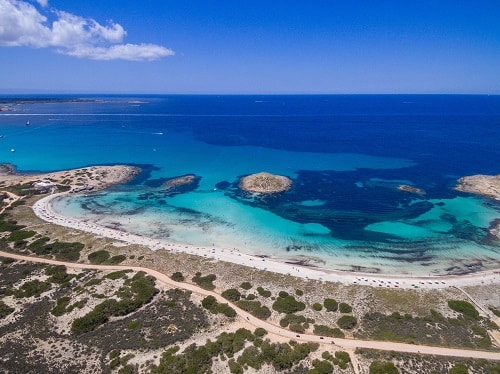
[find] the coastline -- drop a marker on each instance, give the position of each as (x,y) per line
(43,209)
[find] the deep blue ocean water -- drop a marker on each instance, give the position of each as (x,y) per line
(345,154)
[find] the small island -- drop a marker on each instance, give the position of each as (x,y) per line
(486,185)
(181,181)
(265,183)
(410,189)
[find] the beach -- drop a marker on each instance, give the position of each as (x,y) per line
(43,209)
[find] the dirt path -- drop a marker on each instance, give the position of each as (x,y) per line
(271,328)
(12,199)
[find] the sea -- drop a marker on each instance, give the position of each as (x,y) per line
(345,154)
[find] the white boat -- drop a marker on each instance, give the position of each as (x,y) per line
(27,123)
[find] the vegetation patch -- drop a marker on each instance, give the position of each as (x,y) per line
(98,257)
(140,287)
(5,310)
(434,329)
(345,308)
(323,330)
(64,251)
(465,308)
(255,308)
(115,260)
(331,305)
(32,288)
(177,277)
(198,359)
(211,304)
(264,293)
(288,304)
(20,235)
(383,367)
(347,322)
(231,294)
(118,274)
(205,282)
(246,285)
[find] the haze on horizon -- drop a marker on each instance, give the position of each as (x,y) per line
(227,47)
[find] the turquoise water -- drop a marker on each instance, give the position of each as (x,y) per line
(345,155)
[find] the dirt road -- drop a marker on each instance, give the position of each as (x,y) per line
(271,328)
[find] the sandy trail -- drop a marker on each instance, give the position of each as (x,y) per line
(271,328)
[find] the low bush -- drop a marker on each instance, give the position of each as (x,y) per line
(317,307)
(255,308)
(20,235)
(347,322)
(98,257)
(177,277)
(205,282)
(288,305)
(246,285)
(231,294)
(465,308)
(381,367)
(115,260)
(331,305)
(264,293)
(323,330)
(117,274)
(5,310)
(345,308)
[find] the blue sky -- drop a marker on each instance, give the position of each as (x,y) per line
(163,46)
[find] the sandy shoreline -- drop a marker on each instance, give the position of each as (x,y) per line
(100,177)
(43,209)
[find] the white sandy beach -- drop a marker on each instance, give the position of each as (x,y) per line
(43,209)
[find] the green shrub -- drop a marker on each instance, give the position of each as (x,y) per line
(380,367)
(59,275)
(20,235)
(317,307)
(117,274)
(98,257)
(246,285)
(10,226)
(321,367)
(299,292)
(260,332)
(226,310)
(5,310)
(32,288)
(251,296)
(255,309)
(177,277)
(6,260)
(209,302)
(347,322)
(115,260)
(61,305)
(205,282)
(344,356)
(459,369)
(323,330)
(231,294)
(141,288)
(288,305)
(331,305)
(262,292)
(282,294)
(465,308)
(345,308)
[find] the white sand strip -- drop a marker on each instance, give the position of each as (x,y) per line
(43,209)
